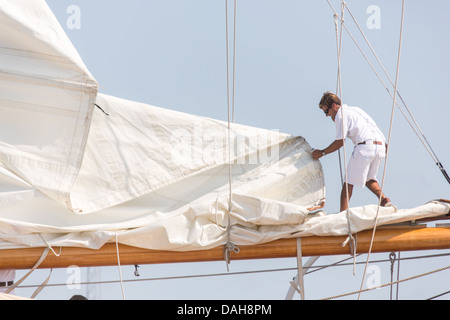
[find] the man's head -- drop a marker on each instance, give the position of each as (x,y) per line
(330,104)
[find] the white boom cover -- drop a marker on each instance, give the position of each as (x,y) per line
(73,174)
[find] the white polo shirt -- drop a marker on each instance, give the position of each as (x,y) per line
(358,126)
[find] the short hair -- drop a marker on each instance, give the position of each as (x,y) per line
(328,99)
(78,297)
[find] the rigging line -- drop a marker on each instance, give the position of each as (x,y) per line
(420,135)
(316,268)
(398,276)
(229,246)
(388,284)
(36,265)
(338,81)
(385,86)
(339,48)
(424,140)
(41,259)
(339,85)
(387,74)
(427,147)
(228,115)
(388,143)
(342,264)
(234,58)
(167,278)
(439,295)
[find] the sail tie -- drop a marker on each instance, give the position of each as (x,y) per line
(118,265)
(227,250)
(36,265)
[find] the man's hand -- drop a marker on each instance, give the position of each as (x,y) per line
(317,154)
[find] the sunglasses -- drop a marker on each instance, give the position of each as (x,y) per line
(326,111)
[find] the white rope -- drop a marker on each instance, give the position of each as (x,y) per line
(295,282)
(230,246)
(387,149)
(120,269)
(300,271)
(42,286)
(50,247)
(417,129)
(36,265)
(338,81)
(234,59)
(350,237)
(429,149)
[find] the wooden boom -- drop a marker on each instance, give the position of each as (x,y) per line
(386,240)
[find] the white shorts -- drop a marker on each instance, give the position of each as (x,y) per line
(363,165)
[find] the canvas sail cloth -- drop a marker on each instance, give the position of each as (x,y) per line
(160,179)
(170,170)
(46,99)
(74,175)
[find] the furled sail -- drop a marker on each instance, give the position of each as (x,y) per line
(163,177)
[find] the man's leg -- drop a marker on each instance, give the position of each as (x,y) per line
(376,189)
(344,198)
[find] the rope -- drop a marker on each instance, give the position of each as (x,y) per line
(120,269)
(234,58)
(339,89)
(230,246)
(42,286)
(36,265)
(338,84)
(50,247)
(388,284)
(416,129)
(339,263)
(439,295)
(387,149)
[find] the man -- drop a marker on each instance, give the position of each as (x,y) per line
(369,151)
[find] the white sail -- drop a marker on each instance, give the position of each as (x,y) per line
(73,174)
(147,168)
(46,101)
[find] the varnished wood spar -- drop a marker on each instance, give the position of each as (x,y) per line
(386,240)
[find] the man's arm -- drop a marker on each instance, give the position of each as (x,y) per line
(335,145)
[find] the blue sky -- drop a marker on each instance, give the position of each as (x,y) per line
(172,54)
